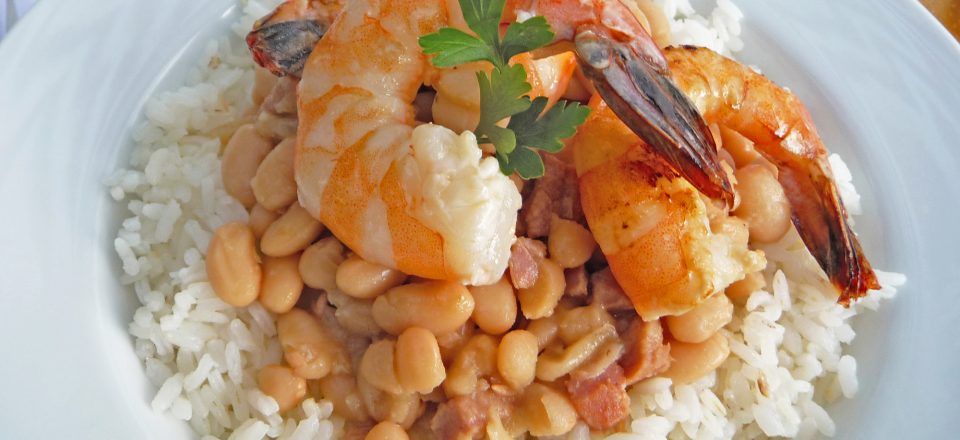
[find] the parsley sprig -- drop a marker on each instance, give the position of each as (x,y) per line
(503,91)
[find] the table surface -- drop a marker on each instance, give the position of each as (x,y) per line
(948,12)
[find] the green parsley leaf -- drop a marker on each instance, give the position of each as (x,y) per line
(503,91)
(545,131)
(453,46)
(501,95)
(503,139)
(524,161)
(526,36)
(483,17)
(539,130)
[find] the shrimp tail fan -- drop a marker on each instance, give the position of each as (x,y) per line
(633,79)
(821,221)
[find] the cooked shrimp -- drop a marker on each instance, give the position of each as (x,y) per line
(417,199)
(651,223)
(433,208)
(282,40)
(548,76)
(630,72)
(732,95)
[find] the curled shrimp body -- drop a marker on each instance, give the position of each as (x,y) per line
(417,199)
(732,95)
(629,71)
(653,226)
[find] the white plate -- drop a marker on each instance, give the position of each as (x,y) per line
(880,79)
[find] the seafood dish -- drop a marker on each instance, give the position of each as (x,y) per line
(438,219)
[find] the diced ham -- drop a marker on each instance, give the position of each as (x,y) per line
(576,279)
(466,417)
(608,293)
(525,256)
(535,214)
(557,192)
(646,355)
(459,418)
(601,401)
(313,301)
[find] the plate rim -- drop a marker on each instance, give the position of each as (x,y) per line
(11,44)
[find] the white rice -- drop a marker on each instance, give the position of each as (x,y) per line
(203,355)
(720,30)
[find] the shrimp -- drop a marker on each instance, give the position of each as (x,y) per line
(654,227)
(730,94)
(282,40)
(629,71)
(421,199)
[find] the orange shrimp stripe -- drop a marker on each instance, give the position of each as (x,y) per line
(416,248)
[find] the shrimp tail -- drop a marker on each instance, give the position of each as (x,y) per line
(821,221)
(634,80)
(283,48)
(783,133)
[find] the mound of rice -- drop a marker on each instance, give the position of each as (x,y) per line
(202,354)
(787,358)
